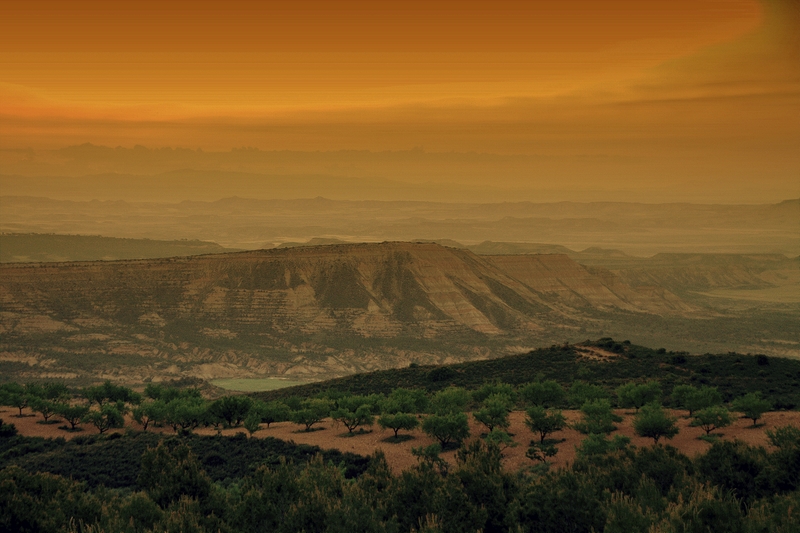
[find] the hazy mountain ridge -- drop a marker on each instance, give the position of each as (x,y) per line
(28,247)
(640,229)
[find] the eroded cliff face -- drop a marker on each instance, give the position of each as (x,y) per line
(316,310)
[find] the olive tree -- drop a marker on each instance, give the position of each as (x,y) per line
(73,414)
(693,399)
(109,416)
(311,412)
(494,412)
(637,395)
(398,421)
(752,406)
(712,418)
(547,393)
(653,422)
(598,417)
(544,421)
(448,428)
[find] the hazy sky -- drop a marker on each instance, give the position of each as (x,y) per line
(701,96)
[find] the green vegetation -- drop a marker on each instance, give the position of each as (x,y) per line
(544,421)
(751,405)
(398,421)
(732,375)
(598,417)
(494,412)
(145,481)
(653,422)
(712,418)
(637,395)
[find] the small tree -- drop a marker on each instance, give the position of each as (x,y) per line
(55,391)
(252,422)
(449,428)
(108,392)
(752,406)
(14,395)
(402,400)
(231,409)
(273,412)
(185,414)
(653,422)
(44,407)
(637,395)
(361,416)
(450,400)
(492,388)
(693,399)
(581,392)
(712,418)
(543,393)
(73,414)
(494,412)
(152,412)
(544,422)
(598,417)
(398,421)
(312,412)
(109,416)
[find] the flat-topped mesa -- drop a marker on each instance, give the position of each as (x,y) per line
(374,289)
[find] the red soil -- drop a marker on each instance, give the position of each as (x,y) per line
(399,455)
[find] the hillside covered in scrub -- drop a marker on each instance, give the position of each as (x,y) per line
(184,459)
(606,363)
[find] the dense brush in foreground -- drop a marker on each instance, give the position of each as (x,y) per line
(733,488)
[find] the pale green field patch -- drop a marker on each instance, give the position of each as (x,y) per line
(786,294)
(255,384)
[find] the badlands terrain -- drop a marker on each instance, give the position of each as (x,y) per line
(316,312)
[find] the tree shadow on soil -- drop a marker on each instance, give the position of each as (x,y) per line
(398,439)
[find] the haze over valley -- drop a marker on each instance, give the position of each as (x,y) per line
(281,195)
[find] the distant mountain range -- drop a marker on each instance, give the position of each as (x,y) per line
(636,229)
(27,247)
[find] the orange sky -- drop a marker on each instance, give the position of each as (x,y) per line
(713,83)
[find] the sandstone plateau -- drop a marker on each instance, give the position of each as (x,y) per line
(308,311)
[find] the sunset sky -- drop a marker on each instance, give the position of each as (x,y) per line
(696,94)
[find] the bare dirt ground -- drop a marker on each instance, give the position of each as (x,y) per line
(595,354)
(333,435)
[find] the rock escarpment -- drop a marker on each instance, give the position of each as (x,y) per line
(264,309)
